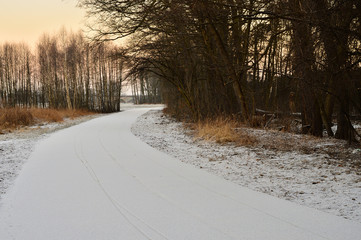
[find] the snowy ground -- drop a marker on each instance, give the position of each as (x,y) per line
(97,180)
(16,147)
(324,175)
(321,174)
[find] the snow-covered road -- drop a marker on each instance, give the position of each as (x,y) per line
(98,181)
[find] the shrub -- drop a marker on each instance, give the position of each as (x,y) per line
(14,117)
(11,118)
(223,130)
(46,115)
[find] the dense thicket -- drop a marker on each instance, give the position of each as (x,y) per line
(237,56)
(63,71)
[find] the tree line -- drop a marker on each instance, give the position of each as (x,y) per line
(236,56)
(63,71)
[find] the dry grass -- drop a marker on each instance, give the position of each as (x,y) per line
(57,115)
(46,115)
(223,130)
(12,118)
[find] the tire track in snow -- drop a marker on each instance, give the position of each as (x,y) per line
(119,207)
(161,196)
(136,179)
(198,217)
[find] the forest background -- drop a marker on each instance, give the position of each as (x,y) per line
(203,58)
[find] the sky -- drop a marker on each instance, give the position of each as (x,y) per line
(26,20)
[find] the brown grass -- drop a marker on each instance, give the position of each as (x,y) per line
(57,115)
(223,130)
(46,115)
(12,118)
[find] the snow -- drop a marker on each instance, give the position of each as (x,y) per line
(96,180)
(312,180)
(16,147)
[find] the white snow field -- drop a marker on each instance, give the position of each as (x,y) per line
(97,181)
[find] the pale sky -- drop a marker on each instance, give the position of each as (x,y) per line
(26,20)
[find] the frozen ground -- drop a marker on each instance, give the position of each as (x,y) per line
(321,174)
(16,147)
(96,180)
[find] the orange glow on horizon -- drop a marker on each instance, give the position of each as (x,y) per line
(25,21)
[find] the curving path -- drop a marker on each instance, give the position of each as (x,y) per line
(98,181)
